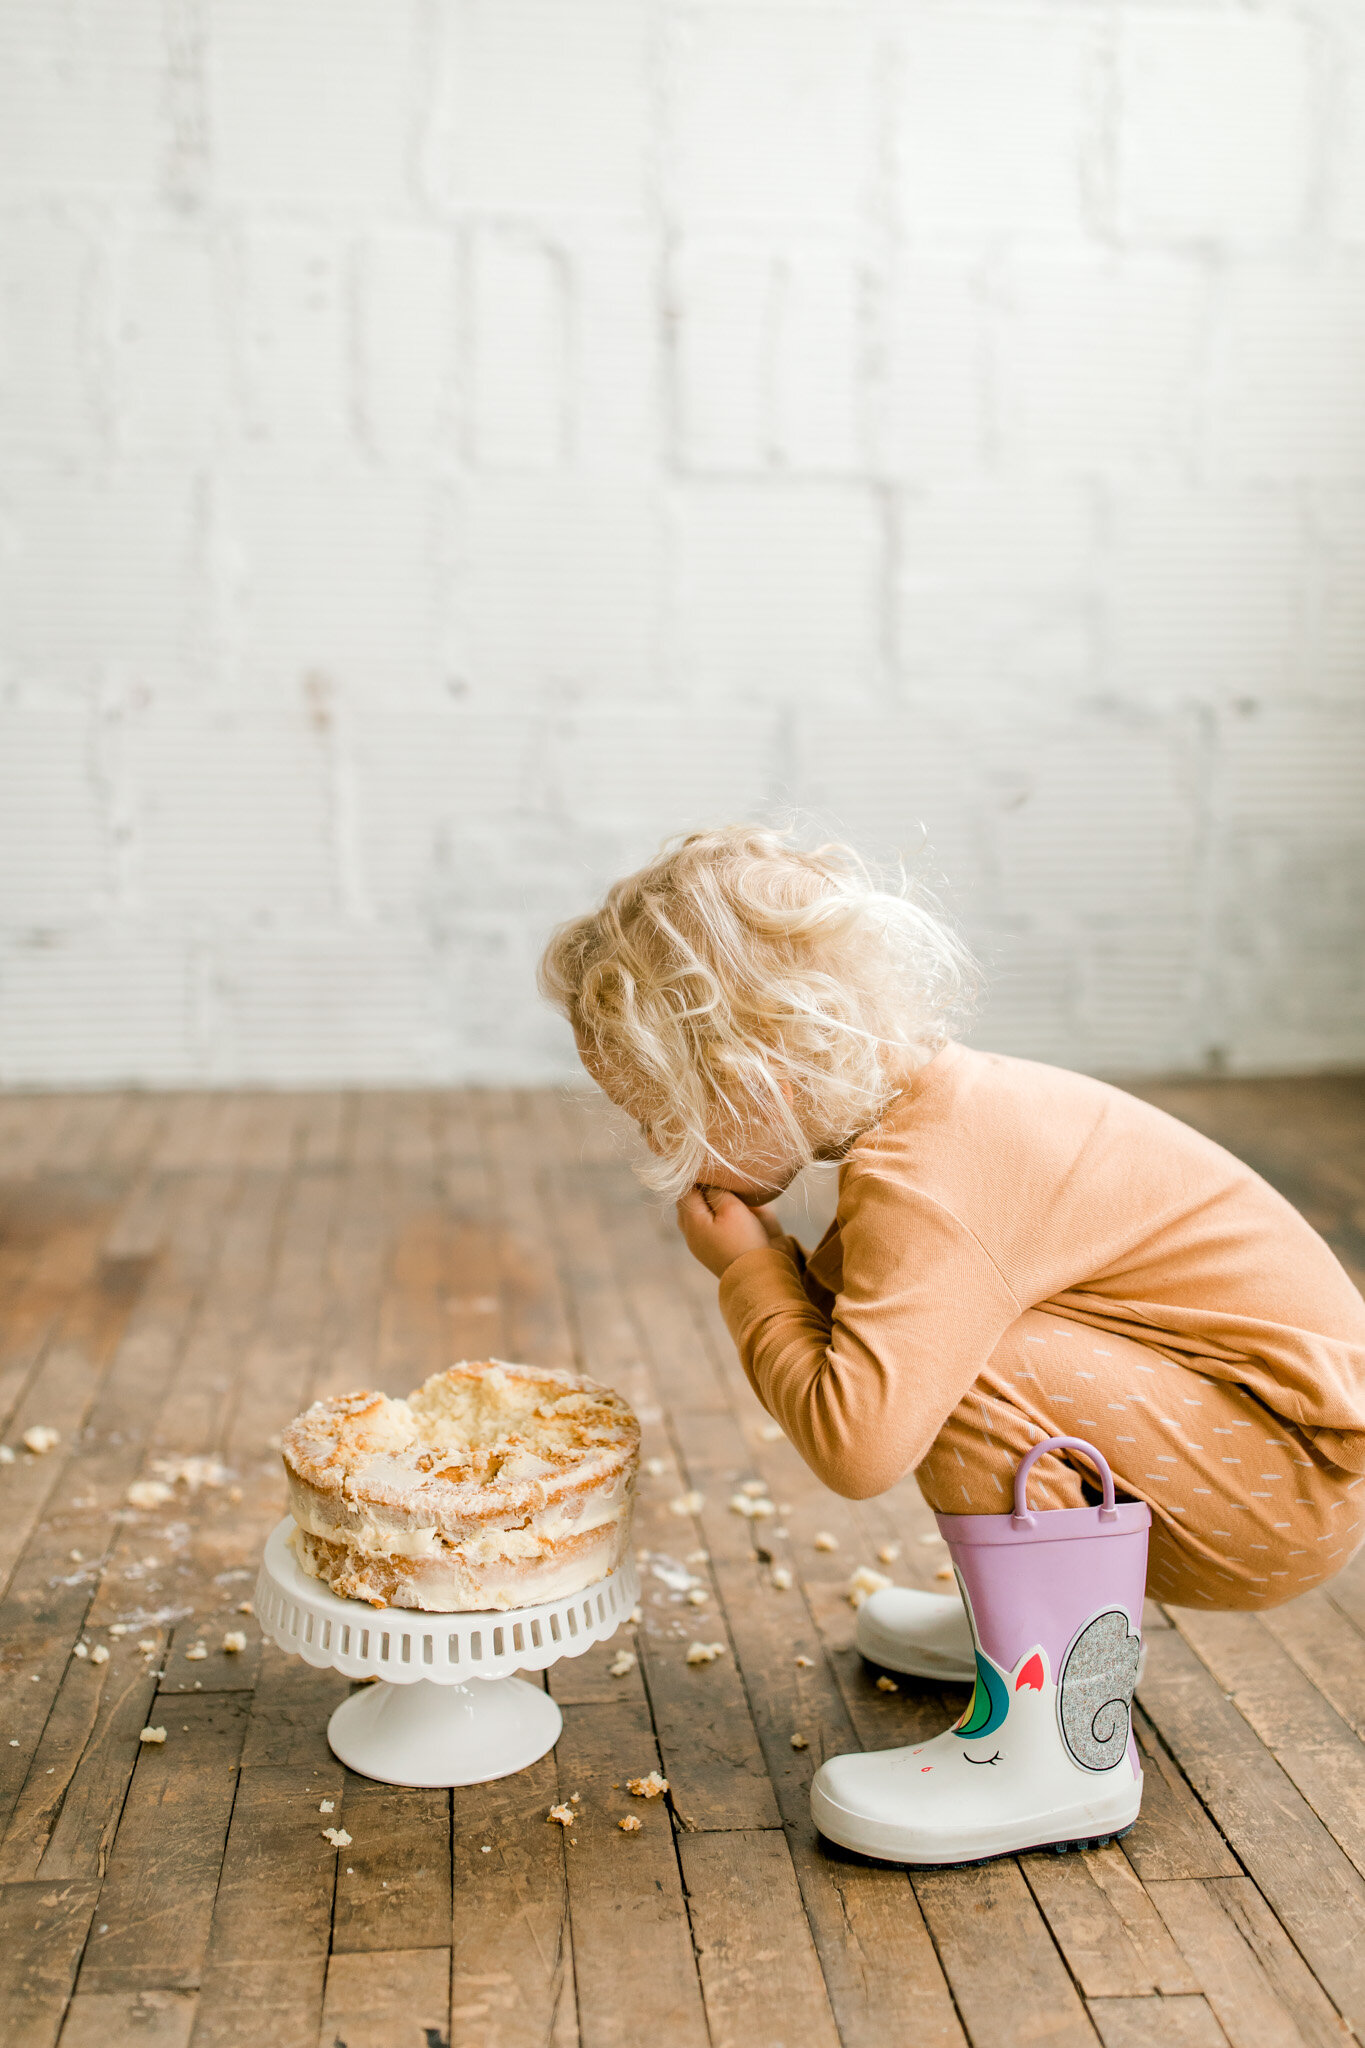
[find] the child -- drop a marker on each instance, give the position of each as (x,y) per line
(1019,1252)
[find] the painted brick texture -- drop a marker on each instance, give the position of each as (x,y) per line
(448,445)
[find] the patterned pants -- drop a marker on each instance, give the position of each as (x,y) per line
(1245,1512)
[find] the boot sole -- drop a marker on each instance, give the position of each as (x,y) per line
(993,1856)
(1059,1845)
(1028,1849)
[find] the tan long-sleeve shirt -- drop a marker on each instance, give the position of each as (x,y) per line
(994,1185)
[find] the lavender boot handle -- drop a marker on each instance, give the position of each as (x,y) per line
(1022,1518)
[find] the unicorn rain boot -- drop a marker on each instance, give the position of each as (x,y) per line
(925,1635)
(1044,1754)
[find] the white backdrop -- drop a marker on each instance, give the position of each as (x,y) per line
(446,445)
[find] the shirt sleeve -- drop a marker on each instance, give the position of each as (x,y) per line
(863,1390)
(815,1290)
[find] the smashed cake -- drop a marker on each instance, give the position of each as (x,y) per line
(492,1486)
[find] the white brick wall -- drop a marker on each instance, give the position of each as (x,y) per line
(447,445)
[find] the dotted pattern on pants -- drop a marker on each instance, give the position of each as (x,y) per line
(1245,1511)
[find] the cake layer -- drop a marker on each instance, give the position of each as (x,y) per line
(455,1582)
(492,1486)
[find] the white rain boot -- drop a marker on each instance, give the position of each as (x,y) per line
(925,1635)
(1044,1754)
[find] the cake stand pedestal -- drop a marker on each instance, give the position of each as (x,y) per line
(446,1709)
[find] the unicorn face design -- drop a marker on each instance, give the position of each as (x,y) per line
(1090,1705)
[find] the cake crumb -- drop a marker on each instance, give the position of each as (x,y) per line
(234,1641)
(753,1508)
(622,1663)
(631,1824)
(99,1655)
(687,1503)
(245,1607)
(149,1493)
(698,1597)
(698,1557)
(771,1432)
(806,1663)
(39,1439)
(196,1653)
(704,1653)
(80,1651)
(888,1553)
(338,1837)
(118,1628)
(782,1578)
(754,1487)
(863,1583)
(637,1615)
(650,1787)
(6,1455)
(328,1806)
(885,1684)
(147,1646)
(799,1741)
(152,1735)
(932,1537)
(945,1571)
(563,1813)
(824,1541)
(656,1467)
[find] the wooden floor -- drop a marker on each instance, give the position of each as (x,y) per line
(179,1275)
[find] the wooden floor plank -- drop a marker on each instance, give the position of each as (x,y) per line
(512,1977)
(50,1594)
(1314,1747)
(29,1128)
(137,2019)
(265,1968)
(66,1813)
(1157,2023)
(1011,1988)
(759,1970)
(42,1931)
(634,1966)
(1173,1836)
(1310,1631)
(387,1998)
(159,1892)
(1314,1890)
(1254,1979)
(393,1885)
(1114,1943)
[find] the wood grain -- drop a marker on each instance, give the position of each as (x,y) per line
(759,1970)
(387,1998)
(512,1977)
(1313,1889)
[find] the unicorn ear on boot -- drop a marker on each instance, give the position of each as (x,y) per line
(1044,1755)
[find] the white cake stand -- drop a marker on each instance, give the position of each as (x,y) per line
(446,1710)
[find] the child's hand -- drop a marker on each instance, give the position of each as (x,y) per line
(719,1228)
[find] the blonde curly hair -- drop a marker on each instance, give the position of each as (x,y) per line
(743,989)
